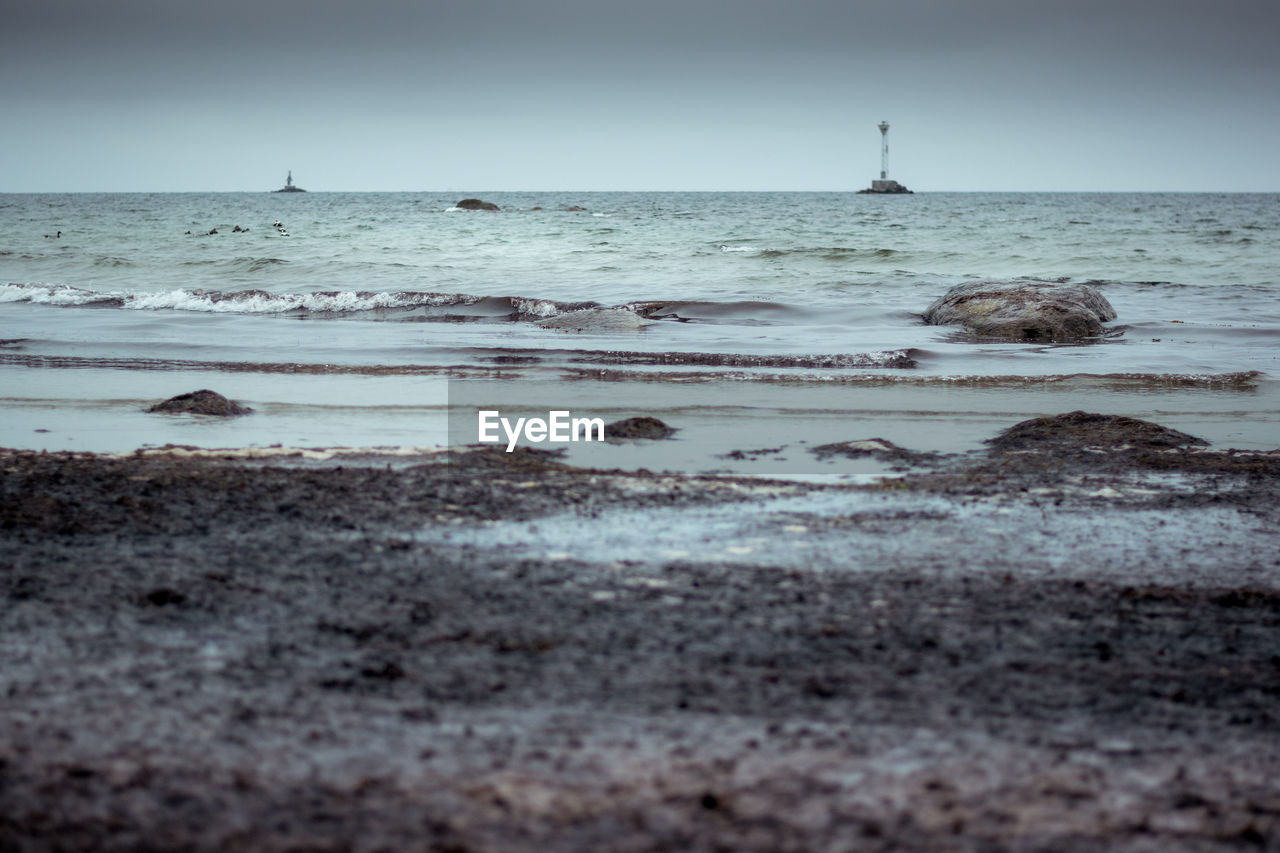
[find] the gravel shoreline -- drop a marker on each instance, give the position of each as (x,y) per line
(213,654)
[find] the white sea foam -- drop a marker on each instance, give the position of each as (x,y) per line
(536,307)
(595,320)
(261,302)
(53,294)
(240,301)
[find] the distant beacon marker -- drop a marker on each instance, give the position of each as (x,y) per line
(289,186)
(884,185)
(884,150)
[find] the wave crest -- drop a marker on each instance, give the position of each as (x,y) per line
(231,302)
(415,305)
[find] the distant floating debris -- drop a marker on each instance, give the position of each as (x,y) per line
(884,186)
(289,186)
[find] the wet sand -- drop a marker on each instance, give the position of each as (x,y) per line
(1069,642)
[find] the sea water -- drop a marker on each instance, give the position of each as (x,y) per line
(771,320)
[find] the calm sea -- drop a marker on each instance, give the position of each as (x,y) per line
(349,323)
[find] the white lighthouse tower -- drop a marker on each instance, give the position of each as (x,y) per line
(884,150)
(884,185)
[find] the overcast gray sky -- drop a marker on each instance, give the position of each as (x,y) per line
(473,95)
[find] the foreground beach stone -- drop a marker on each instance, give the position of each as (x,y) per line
(202,402)
(1023,310)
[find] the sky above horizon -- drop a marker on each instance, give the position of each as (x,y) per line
(475,95)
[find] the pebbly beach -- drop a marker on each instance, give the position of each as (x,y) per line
(1065,642)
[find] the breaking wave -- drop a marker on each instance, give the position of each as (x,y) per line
(407,305)
(262,302)
(489,365)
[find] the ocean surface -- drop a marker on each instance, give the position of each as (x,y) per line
(764,321)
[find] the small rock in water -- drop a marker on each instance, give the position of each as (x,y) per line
(202,402)
(877,448)
(475,204)
(1023,310)
(862,447)
(1075,430)
(641,427)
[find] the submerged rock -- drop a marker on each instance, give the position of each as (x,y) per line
(202,402)
(595,320)
(1023,310)
(1075,430)
(641,427)
(877,448)
(476,204)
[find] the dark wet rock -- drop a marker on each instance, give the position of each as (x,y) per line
(877,448)
(202,402)
(1077,430)
(164,597)
(641,427)
(573,208)
(476,204)
(1023,310)
(752,455)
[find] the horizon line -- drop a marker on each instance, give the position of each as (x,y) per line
(470,193)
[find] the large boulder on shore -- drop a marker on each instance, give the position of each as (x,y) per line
(475,204)
(202,402)
(1023,310)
